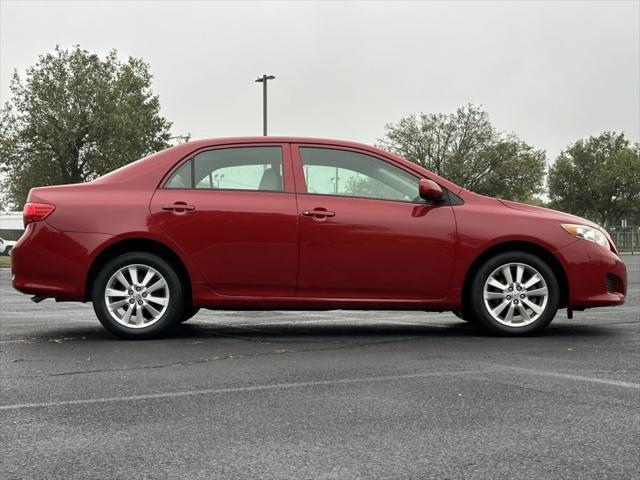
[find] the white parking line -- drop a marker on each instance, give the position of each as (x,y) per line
(344,381)
(347,321)
(48,314)
(570,376)
(600,317)
(305,318)
(28,324)
(256,324)
(253,388)
(617,383)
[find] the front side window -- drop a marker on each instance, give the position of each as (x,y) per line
(346,173)
(243,168)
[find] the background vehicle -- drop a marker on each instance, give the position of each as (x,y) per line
(6,246)
(286,223)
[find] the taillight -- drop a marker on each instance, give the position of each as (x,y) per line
(34,212)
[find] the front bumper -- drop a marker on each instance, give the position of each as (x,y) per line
(597,277)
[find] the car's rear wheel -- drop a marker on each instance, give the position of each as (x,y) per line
(137,295)
(514,293)
(188,314)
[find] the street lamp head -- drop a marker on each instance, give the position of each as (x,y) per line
(265,77)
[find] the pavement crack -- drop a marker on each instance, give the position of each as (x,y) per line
(577,398)
(217,358)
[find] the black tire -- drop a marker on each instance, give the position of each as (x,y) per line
(188,314)
(476,294)
(462,315)
(174,308)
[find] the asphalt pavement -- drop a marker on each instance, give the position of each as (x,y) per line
(318,395)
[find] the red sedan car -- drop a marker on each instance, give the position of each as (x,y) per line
(290,223)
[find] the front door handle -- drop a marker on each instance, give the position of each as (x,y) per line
(318,213)
(179,207)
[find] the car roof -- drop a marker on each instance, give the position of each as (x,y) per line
(277,139)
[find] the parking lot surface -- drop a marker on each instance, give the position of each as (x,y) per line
(318,395)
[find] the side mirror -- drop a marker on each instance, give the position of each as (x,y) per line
(430,190)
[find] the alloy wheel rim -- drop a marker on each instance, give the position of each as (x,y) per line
(137,296)
(515,294)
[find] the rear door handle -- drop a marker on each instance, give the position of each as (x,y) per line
(179,207)
(318,212)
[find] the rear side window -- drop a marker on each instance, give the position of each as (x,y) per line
(243,168)
(182,178)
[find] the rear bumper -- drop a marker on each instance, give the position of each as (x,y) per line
(51,263)
(597,277)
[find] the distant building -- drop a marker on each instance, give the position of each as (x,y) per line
(11,226)
(11,221)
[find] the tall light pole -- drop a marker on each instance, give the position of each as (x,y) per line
(263,79)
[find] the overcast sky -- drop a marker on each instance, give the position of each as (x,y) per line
(551,72)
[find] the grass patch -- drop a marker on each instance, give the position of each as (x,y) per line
(5,261)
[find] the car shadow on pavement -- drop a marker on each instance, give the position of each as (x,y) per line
(298,331)
(293,331)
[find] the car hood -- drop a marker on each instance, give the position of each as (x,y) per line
(549,213)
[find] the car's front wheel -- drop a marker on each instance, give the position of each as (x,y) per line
(514,293)
(464,315)
(188,314)
(137,295)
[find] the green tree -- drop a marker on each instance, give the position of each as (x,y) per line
(363,186)
(75,117)
(598,178)
(465,148)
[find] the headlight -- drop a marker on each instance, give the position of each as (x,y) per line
(587,233)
